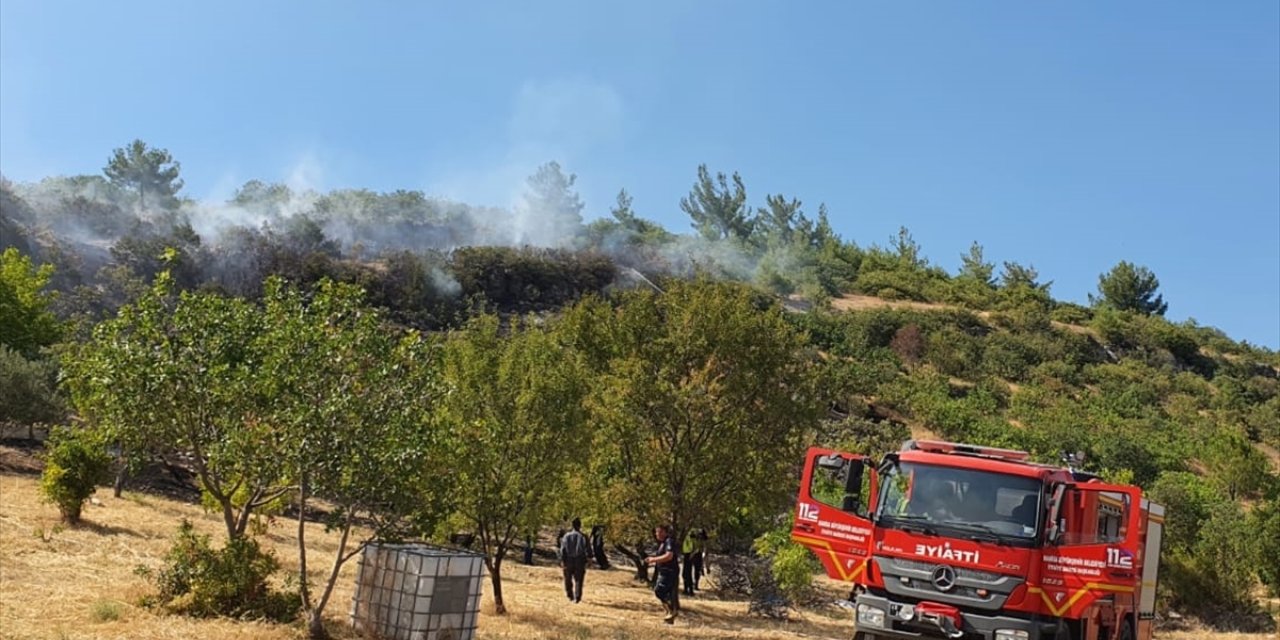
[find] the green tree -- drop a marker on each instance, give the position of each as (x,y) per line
(781,221)
(147,171)
(719,212)
(1237,468)
(643,231)
(352,398)
(178,374)
(975,267)
(1128,287)
(1266,522)
(28,390)
(907,250)
(515,406)
(26,324)
(701,398)
(1016,275)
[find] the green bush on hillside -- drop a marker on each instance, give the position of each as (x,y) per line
(197,580)
(76,462)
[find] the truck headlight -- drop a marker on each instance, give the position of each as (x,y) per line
(1011,634)
(874,617)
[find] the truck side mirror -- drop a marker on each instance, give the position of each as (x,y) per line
(853,478)
(1053,535)
(1055,524)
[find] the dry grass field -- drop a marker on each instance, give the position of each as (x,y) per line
(79,583)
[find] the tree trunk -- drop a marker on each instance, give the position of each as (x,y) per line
(122,470)
(636,558)
(303,590)
(315,623)
(495,576)
(315,626)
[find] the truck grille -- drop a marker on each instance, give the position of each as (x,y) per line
(914,579)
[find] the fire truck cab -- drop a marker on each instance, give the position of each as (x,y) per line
(957,541)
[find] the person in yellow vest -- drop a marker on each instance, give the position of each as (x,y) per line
(692,550)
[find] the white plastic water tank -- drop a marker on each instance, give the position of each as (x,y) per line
(417,592)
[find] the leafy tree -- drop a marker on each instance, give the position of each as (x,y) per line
(717,211)
(515,406)
(26,324)
(147,171)
(349,399)
(702,396)
(28,390)
(177,374)
(1237,467)
(1266,522)
(1128,287)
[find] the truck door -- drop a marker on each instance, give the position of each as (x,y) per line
(1092,547)
(833,511)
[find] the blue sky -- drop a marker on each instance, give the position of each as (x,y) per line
(1067,135)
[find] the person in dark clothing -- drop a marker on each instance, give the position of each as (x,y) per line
(666,563)
(528,548)
(573,559)
(597,546)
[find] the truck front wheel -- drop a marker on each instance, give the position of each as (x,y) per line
(1126,630)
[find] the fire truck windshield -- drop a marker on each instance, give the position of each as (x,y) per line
(966,503)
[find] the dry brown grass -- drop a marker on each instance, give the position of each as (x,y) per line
(60,582)
(69,583)
(855,302)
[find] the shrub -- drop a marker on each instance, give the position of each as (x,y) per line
(200,581)
(529,279)
(1008,356)
(106,611)
(1071,313)
(954,352)
(792,565)
(75,464)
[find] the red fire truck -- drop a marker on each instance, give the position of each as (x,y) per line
(960,541)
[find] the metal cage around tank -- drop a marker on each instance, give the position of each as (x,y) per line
(417,592)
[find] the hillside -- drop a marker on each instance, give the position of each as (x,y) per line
(393,331)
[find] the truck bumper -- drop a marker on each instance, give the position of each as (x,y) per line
(972,625)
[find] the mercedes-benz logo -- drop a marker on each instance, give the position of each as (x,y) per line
(944,578)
